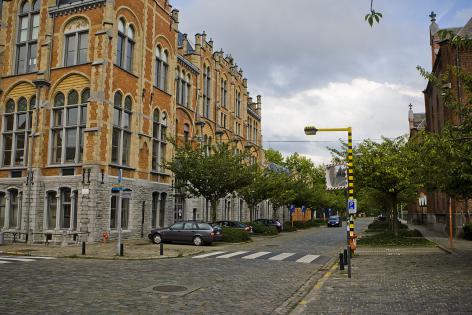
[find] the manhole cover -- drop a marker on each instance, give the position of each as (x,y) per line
(169,288)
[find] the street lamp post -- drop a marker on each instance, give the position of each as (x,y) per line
(311,131)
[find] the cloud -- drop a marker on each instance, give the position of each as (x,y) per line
(372,109)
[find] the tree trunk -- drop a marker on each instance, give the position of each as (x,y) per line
(251,214)
(395,217)
(467,218)
(274,212)
(214,207)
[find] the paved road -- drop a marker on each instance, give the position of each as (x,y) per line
(235,286)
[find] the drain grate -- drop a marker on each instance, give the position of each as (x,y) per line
(169,288)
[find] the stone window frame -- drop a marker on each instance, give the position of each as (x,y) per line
(121,129)
(8,210)
(207,91)
(14,111)
(76,27)
(182,87)
(127,38)
(60,124)
(159,140)
(237,106)
(57,196)
(29,11)
(161,68)
(224,92)
(115,200)
(186,133)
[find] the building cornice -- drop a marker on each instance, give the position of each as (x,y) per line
(75,7)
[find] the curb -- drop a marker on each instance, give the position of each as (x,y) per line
(291,303)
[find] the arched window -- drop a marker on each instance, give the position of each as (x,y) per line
(27,38)
(125,209)
(238,104)
(206,92)
(68,124)
(224,92)
(162,67)
(182,88)
(186,133)
(159,141)
(16,127)
(14,209)
(121,139)
(76,42)
(125,45)
(2,209)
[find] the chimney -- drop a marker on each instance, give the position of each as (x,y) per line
(433,38)
(259,105)
(175,17)
(204,38)
(184,43)
(198,43)
(411,117)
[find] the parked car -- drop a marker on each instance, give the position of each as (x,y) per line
(270,222)
(381,217)
(235,225)
(334,220)
(197,233)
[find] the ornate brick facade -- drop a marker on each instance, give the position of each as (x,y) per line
(89,92)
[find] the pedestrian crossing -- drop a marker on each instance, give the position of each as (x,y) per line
(15,259)
(302,258)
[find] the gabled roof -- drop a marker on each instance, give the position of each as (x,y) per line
(466,31)
(419,121)
(180,43)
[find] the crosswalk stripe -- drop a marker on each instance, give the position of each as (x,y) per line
(232,254)
(307,259)
(34,257)
(208,255)
(281,256)
(15,259)
(256,255)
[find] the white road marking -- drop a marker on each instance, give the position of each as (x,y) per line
(208,255)
(281,256)
(232,254)
(256,255)
(4,262)
(307,259)
(15,259)
(33,257)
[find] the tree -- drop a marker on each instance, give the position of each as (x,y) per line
(274,156)
(211,176)
(373,15)
(257,190)
(388,168)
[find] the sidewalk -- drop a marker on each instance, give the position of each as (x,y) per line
(459,246)
(133,249)
(406,280)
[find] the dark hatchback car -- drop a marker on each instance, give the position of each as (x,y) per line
(334,220)
(197,233)
(235,225)
(270,222)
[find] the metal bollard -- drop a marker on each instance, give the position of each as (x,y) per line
(161,249)
(345,257)
(341,261)
(83,248)
(122,247)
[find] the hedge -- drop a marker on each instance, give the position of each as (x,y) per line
(259,228)
(232,235)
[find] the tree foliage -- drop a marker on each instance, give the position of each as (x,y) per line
(373,15)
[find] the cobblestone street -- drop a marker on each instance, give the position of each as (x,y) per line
(396,281)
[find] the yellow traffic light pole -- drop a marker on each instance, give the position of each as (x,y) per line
(311,131)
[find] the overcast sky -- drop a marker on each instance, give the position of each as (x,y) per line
(317,62)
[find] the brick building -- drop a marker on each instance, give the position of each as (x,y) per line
(90,91)
(444,55)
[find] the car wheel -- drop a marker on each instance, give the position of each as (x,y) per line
(156,238)
(197,241)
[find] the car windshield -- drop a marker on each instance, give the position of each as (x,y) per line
(334,217)
(241,225)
